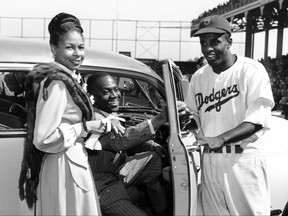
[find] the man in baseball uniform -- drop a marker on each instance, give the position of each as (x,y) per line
(232,97)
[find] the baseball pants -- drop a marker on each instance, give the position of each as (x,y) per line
(235,184)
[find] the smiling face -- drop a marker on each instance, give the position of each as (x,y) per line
(106,94)
(70,50)
(216,50)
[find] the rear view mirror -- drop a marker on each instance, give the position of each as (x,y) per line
(125,84)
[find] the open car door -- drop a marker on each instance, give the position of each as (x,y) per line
(185,159)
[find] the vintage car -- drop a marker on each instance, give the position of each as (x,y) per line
(143,94)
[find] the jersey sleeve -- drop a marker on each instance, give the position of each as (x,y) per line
(259,112)
(259,85)
(259,97)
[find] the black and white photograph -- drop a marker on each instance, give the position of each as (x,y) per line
(143,108)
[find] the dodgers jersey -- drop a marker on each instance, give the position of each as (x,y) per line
(225,100)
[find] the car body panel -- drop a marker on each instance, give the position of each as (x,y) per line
(275,149)
(11,145)
(39,51)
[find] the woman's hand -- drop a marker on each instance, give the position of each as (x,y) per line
(106,125)
(95,126)
(113,122)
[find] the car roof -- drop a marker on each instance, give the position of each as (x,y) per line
(17,50)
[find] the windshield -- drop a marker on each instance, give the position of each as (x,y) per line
(139,94)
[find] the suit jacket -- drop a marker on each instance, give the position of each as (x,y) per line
(106,163)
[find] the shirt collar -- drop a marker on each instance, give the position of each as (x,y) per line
(106,114)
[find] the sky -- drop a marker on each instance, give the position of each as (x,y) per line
(140,10)
(159,10)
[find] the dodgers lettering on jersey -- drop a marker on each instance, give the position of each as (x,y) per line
(222,100)
(216,99)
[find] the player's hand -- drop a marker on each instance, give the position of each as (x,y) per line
(182,108)
(184,114)
(211,142)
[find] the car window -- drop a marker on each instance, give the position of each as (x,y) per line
(138,93)
(12,99)
(135,92)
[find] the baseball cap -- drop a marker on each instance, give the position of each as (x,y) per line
(213,24)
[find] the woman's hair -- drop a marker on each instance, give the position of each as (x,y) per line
(61,24)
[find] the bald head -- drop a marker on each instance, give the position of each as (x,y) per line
(105,91)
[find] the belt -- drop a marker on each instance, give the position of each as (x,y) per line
(229,149)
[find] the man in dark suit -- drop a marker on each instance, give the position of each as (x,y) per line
(112,169)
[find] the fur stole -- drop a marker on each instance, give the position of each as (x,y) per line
(32,157)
